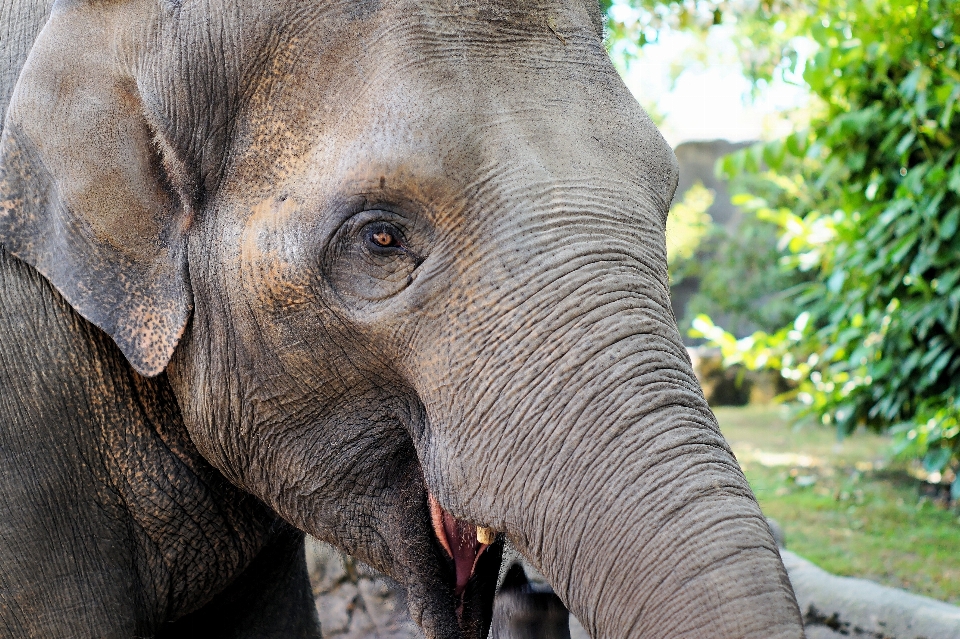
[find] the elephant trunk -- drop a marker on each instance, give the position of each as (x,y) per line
(664,541)
(651,529)
(591,446)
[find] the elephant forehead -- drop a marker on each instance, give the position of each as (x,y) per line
(465,84)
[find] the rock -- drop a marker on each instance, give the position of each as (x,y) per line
(382,602)
(861,608)
(335,608)
(577,631)
(361,625)
(734,386)
(355,602)
(510,557)
(821,632)
(721,386)
(325,565)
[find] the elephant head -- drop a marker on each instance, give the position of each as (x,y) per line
(403,263)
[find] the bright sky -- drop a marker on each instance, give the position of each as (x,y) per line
(712,101)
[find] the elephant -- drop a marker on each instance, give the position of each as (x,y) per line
(391,273)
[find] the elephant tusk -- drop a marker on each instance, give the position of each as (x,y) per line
(486,535)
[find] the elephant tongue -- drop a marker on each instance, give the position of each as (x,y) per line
(459,539)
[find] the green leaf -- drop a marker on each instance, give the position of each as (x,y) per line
(905,143)
(835,281)
(948,227)
(796,144)
(904,246)
(954,183)
(936,460)
(949,106)
(773,154)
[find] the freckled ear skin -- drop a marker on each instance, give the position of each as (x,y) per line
(86,200)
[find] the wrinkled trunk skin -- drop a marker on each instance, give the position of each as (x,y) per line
(617,484)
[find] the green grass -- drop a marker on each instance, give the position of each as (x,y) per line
(844,505)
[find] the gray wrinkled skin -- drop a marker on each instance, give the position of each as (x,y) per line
(204,348)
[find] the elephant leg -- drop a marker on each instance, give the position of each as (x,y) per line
(272,598)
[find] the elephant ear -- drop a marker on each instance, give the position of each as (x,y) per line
(90,193)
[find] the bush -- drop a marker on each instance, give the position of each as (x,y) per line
(868,206)
(738,281)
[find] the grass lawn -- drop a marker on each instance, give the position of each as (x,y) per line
(844,505)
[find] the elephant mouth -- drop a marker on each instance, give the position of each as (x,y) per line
(463,542)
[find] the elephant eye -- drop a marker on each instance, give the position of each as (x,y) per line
(381,235)
(384,238)
(371,258)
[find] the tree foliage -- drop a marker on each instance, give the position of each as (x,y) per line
(764,28)
(688,224)
(738,282)
(868,204)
